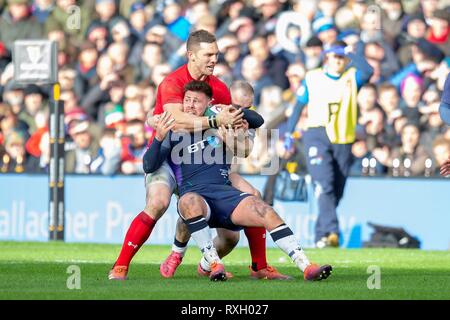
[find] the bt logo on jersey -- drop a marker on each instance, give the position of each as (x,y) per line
(213,141)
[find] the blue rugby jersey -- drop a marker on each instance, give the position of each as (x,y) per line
(196,158)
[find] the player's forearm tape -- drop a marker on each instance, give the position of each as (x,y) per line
(212,121)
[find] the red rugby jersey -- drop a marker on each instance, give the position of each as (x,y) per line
(171,89)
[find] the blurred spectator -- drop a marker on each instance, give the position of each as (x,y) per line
(382,58)
(62,17)
(138,20)
(428,8)
(411,155)
(79,159)
(269,11)
(392,17)
(328,8)
(230,53)
(120,31)
(275,66)
(41,9)
(415,28)
(16,22)
(361,161)
(108,157)
(228,12)
(295,74)
(244,29)
(33,102)
(254,72)
(411,91)
(147,96)
(133,110)
(439,30)
(389,101)
(39,162)
(325,29)
(86,67)
(134,146)
(441,152)
(271,107)
(15,158)
(434,127)
(152,56)
(98,34)
(371,30)
(371,117)
(105,10)
(112,59)
(350,14)
(313,53)
(159,73)
(118,53)
(206,22)
(66,79)
(98,95)
(10,122)
(176,23)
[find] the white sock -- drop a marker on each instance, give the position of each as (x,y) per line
(205,264)
(286,241)
(200,233)
(179,247)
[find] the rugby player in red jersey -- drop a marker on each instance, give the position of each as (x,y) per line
(202,53)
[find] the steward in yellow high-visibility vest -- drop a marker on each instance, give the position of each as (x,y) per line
(330,94)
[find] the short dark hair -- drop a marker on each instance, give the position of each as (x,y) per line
(339,43)
(198,86)
(199,36)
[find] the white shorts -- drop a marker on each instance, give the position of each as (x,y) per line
(163,175)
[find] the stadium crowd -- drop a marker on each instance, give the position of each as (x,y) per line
(112,55)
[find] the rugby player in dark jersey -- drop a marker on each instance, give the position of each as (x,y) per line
(207,198)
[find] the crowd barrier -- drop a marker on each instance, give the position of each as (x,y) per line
(99,209)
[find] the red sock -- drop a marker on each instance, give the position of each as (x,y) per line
(257,241)
(138,232)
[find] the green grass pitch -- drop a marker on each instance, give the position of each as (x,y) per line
(39,271)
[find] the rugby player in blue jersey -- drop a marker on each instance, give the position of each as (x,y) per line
(207,199)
